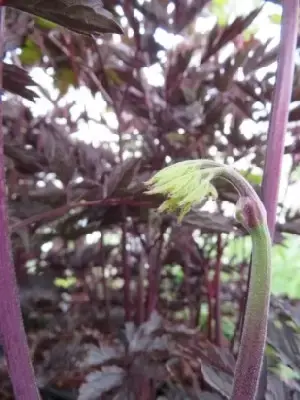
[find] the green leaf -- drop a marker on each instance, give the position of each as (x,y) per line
(228,327)
(64,78)
(44,23)
(285,262)
(219,3)
(65,283)
(254,179)
(218,8)
(250,32)
(275,18)
(175,137)
(31,53)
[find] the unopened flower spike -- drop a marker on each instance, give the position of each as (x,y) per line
(190,182)
(184,184)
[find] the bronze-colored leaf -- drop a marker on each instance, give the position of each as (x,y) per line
(82,16)
(16,80)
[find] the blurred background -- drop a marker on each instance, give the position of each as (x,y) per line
(118,301)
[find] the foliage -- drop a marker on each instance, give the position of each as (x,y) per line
(81,16)
(102,276)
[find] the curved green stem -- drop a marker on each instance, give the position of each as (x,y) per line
(187,183)
(252,345)
(252,214)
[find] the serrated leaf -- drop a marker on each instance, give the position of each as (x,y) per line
(152,324)
(229,33)
(143,339)
(218,380)
(98,383)
(16,80)
(82,16)
(122,176)
(97,356)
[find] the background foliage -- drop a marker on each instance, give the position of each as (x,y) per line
(118,301)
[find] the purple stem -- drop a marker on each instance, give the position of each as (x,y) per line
(126,270)
(278,121)
(12,333)
(217,278)
(280,110)
(154,277)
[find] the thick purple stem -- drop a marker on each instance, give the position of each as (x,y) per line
(278,123)
(12,333)
(280,110)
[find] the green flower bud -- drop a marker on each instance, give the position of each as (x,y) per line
(184,184)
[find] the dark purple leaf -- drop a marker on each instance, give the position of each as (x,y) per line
(16,80)
(81,16)
(98,383)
